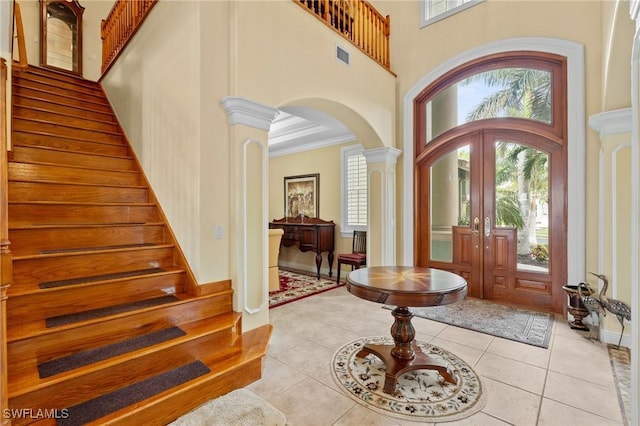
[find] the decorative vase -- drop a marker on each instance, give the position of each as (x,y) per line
(576,307)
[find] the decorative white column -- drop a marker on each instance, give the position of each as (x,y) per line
(614,212)
(381,237)
(635,214)
(249,156)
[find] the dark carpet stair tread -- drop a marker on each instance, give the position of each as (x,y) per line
(110,310)
(96,248)
(99,407)
(104,277)
(81,359)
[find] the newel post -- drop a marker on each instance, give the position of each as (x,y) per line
(5,253)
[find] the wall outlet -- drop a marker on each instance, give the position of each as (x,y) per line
(219,232)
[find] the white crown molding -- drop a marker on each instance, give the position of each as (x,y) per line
(379,155)
(278,150)
(248,112)
(611,122)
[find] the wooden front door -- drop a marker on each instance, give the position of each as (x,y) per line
(491,208)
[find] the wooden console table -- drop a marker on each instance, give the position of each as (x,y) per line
(309,234)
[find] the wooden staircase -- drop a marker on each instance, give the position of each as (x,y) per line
(95,267)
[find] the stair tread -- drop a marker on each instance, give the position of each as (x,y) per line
(81,359)
(84,184)
(61,95)
(131,394)
(76,253)
(25,289)
(67,138)
(82,226)
(69,151)
(93,314)
(53,123)
(63,114)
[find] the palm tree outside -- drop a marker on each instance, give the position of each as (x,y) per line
(521,171)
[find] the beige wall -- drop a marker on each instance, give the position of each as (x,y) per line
(166,95)
(95,11)
(286,56)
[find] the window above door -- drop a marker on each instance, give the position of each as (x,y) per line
(435,10)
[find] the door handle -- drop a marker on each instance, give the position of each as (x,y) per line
(476,227)
(487,226)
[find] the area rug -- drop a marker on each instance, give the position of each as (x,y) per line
(420,395)
(533,328)
(620,359)
(238,408)
(295,286)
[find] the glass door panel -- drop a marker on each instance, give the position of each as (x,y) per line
(450,201)
(522,201)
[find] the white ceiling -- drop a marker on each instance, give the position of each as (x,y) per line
(297,129)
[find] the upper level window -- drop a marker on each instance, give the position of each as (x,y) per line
(354,190)
(434,10)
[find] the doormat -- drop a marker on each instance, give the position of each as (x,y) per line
(530,327)
(295,286)
(238,408)
(420,395)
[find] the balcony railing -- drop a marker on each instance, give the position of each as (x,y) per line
(121,24)
(357,21)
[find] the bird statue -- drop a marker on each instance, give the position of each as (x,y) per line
(594,307)
(618,308)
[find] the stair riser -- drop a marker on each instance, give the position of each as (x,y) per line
(40,155)
(34,214)
(63,109)
(33,139)
(26,125)
(66,120)
(69,299)
(32,241)
(63,100)
(79,389)
(59,76)
(49,173)
(55,82)
(35,191)
(97,98)
(67,266)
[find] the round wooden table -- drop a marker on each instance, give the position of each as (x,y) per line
(404,287)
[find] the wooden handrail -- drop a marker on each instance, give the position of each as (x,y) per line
(119,27)
(22,63)
(359,22)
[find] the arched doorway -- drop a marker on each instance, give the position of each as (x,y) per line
(491,179)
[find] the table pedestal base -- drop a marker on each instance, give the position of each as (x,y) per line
(396,366)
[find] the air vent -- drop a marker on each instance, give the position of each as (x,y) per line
(342,55)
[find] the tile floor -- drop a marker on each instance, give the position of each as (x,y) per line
(570,383)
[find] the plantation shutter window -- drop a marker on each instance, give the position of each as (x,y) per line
(356,190)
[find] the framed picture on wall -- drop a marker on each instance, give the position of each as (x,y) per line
(301,195)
